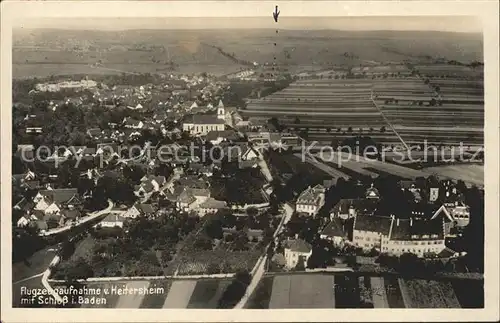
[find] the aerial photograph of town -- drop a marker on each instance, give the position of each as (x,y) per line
(248,163)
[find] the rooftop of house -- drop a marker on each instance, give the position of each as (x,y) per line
(404,229)
(59,195)
(149,178)
(25,204)
(228,134)
(41,224)
(203,119)
(212,203)
(37,214)
(334,229)
(132,122)
(423,210)
(311,194)
(147,186)
(193,181)
(145,208)
(298,245)
(32,184)
(363,206)
(372,192)
(113,218)
(200,192)
(373,223)
(446,253)
(175,193)
(186,197)
(71,214)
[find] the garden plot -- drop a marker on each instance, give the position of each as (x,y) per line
(418,293)
(303,291)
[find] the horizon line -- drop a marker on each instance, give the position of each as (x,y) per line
(248,28)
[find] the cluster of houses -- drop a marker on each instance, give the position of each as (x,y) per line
(50,208)
(354,222)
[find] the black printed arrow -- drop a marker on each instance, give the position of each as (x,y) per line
(276,14)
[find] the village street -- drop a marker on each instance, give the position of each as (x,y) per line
(90,217)
(260,267)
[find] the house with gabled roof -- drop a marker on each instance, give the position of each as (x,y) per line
(216,137)
(372,193)
(335,231)
(199,168)
(51,201)
(368,230)
(211,205)
(140,209)
(311,200)
(132,123)
(111,221)
(453,214)
(186,201)
(297,250)
(419,237)
(24,205)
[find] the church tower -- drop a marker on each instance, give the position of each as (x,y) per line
(221,113)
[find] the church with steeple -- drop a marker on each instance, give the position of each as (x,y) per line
(201,124)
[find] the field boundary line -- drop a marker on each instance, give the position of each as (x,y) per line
(404,293)
(387,121)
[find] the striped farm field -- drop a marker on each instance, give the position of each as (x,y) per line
(207,293)
(180,294)
(112,298)
(469,173)
(201,293)
(132,300)
(156,300)
(373,166)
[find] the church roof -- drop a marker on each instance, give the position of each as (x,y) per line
(204,119)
